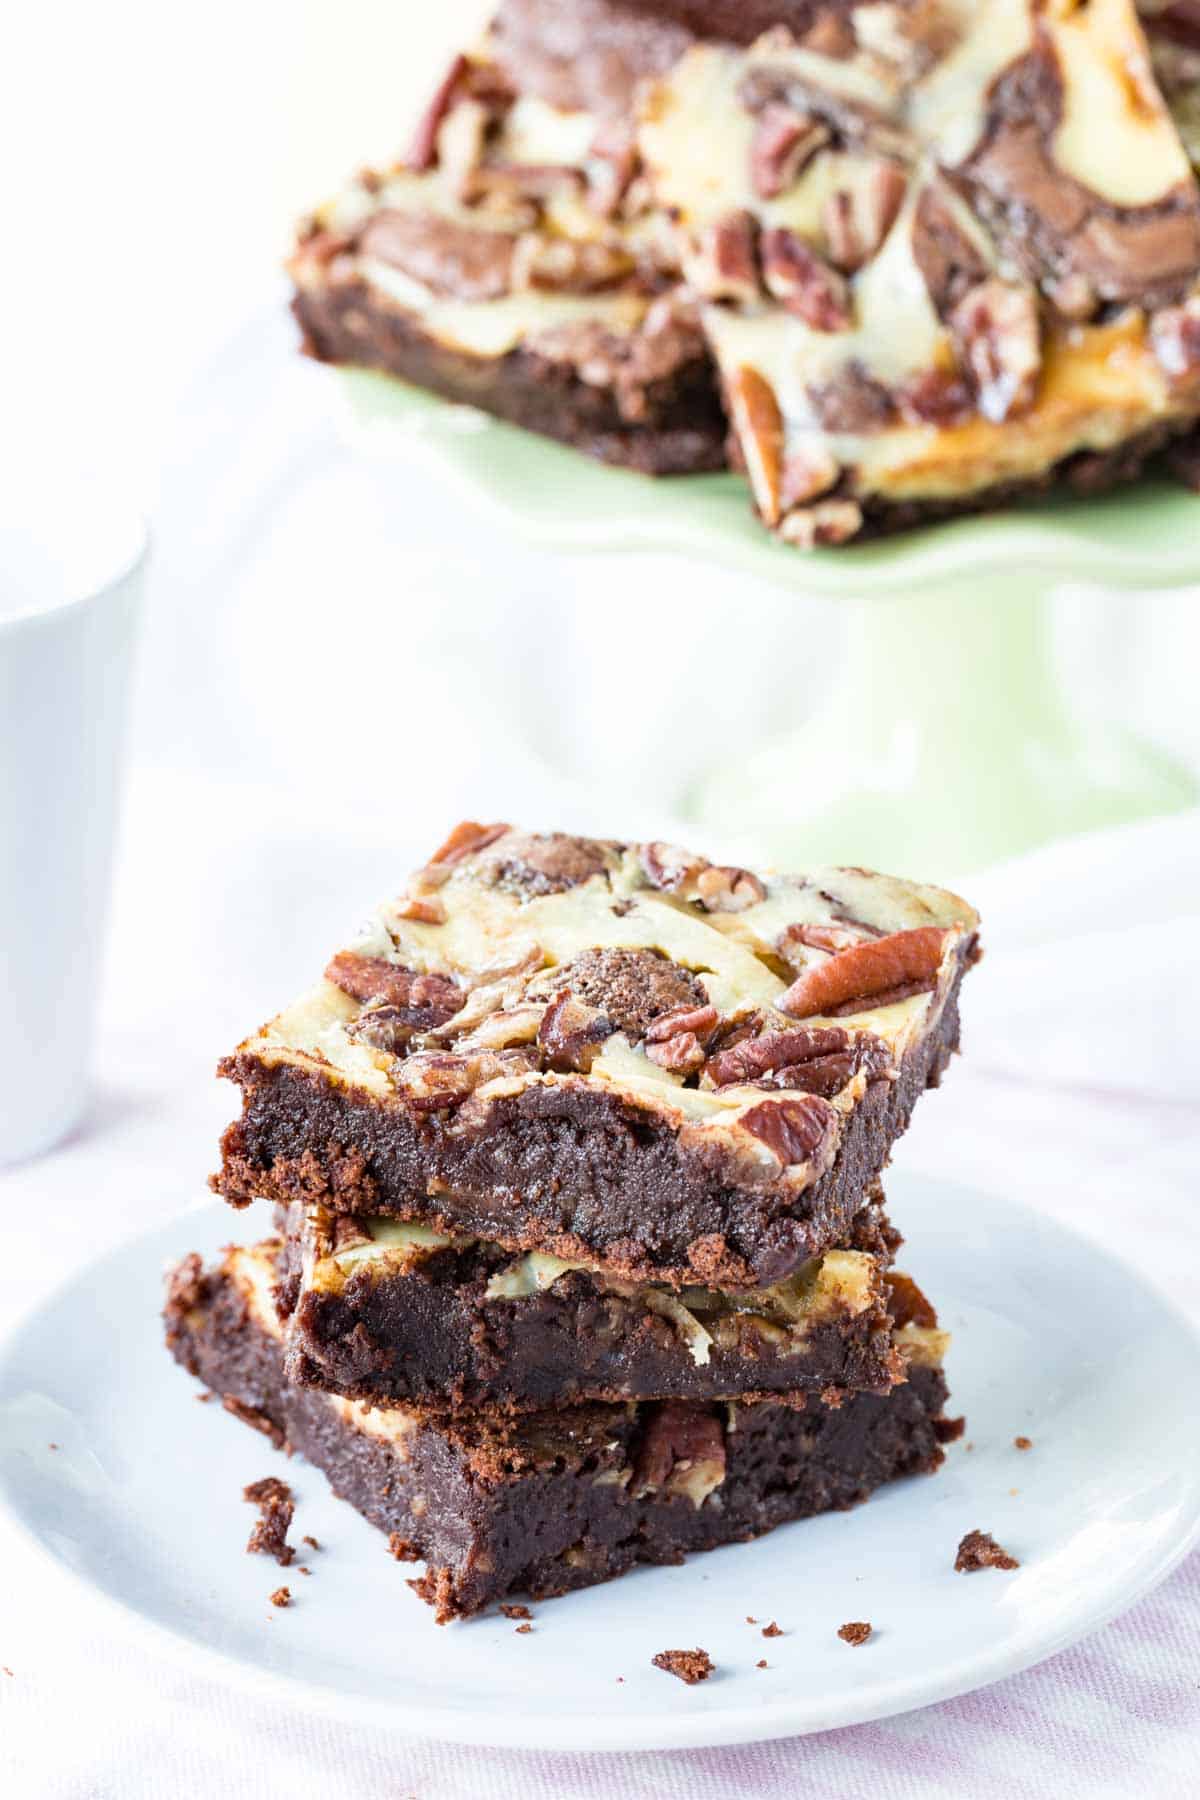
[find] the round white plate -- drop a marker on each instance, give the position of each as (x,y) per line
(1053,1340)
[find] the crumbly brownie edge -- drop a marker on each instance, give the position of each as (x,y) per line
(553,1525)
(576,1172)
(684,428)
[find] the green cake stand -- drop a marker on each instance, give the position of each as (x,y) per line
(944,740)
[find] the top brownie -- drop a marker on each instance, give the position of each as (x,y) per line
(619,1053)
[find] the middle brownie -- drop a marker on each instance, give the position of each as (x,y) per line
(384,1311)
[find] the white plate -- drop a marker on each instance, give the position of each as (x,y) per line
(1053,1340)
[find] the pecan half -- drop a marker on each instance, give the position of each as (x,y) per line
(682,1054)
(784,143)
(682,1451)
(562,266)
(935,397)
(467,838)
(758,422)
(748,1061)
(1175,337)
(435,1080)
(697,1019)
(828,1075)
(794,1130)
(373,978)
(570,1034)
(867,972)
(821,937)
(857,220)
(998,332)
(667,867)
(804,282)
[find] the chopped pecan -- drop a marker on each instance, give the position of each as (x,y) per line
(829,522)
(466,839)
(463,262)
(828,1075)
(724,889)
(758,422)
(424,909)
(667,867)
(806,475)
(386,1026)
(564,266)
(699,1020)
(935,397)
(804,282)
(852,400)
(867,972)
(460,147)
(820,937)
(570,1034)
(434,1080)
(373,978)
(682,1451)
(998,332)
(750,1060)
(724,265)
(682,1054)
(784,143)
(422,151)
(794,1130)
(522,188)
(944,249)
(612,165)
(857,220)
(1175,337)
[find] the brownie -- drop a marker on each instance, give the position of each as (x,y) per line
(931,281)
(391,1312)
(547,1502)
(509,262)
(620,1054)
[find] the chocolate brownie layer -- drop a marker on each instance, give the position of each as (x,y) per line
(396,1313)
(620,1054)
(510,261)
(679,428)
(555,1500)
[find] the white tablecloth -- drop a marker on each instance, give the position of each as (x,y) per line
(1078,1091)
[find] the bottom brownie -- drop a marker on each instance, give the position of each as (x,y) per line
(558,1499)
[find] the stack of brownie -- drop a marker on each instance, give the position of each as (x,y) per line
(922,255)
(579,1256)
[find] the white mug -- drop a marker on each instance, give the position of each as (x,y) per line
(71,567)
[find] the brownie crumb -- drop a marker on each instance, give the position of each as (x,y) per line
(855,1631)
(750,1619)
(689,1665)
(304,1569)
(310,1541)
(761,1663)
(276,1509)
(8,1671)
(203,1398)
(281,1597)
(512,1611)
(979,1550)
(1022,1443)
(402,1548)
(53,1446)
(772,1630)
(522,1629)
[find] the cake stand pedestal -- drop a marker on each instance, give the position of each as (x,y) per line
(944,740)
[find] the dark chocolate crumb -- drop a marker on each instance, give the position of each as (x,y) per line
(522,1629)
(772,1630)
(979,1550)
(310,1541)
(856,1631)
(689,1665)
(276,1509)
(281,1597)
(513,1611)
(1022,1443)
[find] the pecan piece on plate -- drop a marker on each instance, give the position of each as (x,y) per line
(794,1130)
(867,973)
(784,143)
(758,423)
(804,282)
(998,332)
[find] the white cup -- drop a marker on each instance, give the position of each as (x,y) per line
(72,556)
